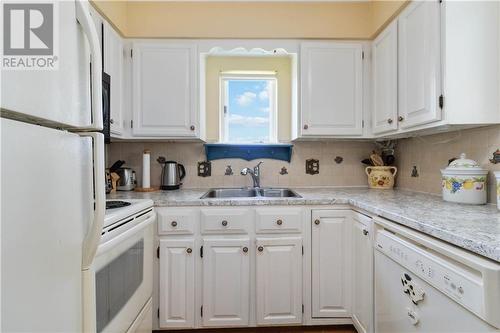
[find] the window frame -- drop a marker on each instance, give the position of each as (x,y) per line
(224,79)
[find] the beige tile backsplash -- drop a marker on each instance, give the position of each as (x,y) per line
(349,173)
(428,153)
(431,154)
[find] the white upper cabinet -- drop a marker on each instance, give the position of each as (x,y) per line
(226,282)
(165,90)
(331,89)
(419,64)
(331,273)
(385,80)
(279,281)
(472,63)
(113,66)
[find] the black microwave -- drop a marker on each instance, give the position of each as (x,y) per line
(106,107)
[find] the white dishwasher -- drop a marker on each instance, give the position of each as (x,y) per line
(429,286)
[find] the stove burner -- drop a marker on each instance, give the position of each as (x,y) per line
(116,204)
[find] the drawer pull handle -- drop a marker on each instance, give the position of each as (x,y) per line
(245,249)
(401,118)
(224,223)
(365,232)
(189,250)
(316,222)
(174,224)
(279,222)
(260,248)
(389,121)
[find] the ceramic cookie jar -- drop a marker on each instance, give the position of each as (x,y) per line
(381,177)
(464,181)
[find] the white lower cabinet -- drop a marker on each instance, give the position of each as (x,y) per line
(362,258)
(226,282)
(264,266)
(177,287)
(331,263)
(279,281)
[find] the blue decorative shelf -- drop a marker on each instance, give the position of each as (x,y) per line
(217,151)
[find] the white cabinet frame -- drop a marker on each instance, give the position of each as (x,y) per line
(171,94)
(331,81)
(226,282)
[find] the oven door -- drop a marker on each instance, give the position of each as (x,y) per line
(120,281)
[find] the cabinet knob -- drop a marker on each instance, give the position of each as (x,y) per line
(389,121)
(224,223)
(174,224)
(316,222)
(401,118)
(306,126)
(260,249)
(189,250)
(245,249)
(279,222)
(192,128)
(365,232)
(111,121)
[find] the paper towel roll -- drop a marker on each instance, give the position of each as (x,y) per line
(146,172)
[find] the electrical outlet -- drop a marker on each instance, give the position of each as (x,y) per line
(414,172)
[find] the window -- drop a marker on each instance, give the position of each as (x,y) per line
(248,107)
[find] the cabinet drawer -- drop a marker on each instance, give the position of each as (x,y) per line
(174,221)
(225,221)
(278,220)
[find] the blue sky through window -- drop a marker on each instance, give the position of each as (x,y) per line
(248,112)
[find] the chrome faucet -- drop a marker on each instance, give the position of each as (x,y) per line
(255,173)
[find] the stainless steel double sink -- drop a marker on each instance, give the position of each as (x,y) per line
(264,192)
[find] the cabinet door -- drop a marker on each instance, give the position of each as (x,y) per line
(113,66)
(385,80)
(226,282)
(362,252)
(164,90)
(177,259)
(419,63)
(331,263)
(331,87)
(279,281)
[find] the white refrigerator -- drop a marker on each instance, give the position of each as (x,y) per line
(52,180)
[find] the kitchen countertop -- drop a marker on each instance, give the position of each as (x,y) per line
(475,228)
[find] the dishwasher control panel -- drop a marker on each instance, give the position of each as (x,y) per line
(453,279)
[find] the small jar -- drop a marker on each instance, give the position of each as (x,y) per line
(464,181)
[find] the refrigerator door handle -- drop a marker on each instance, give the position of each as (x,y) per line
(84,18)
(93,237)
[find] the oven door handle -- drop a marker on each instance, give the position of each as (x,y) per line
(150,218)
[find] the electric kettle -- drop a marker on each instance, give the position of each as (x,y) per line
(171,174)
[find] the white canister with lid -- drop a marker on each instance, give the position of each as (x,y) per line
(497,176)
(464,181)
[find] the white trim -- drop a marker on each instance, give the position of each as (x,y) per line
(224,102)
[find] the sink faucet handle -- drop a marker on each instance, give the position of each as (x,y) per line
(256,169)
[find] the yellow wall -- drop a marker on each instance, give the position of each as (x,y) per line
(282,65)
(115,11)
(382,12)
(249,20)
(328,20)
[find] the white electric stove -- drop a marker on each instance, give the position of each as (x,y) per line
(117,210)
(120,280)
